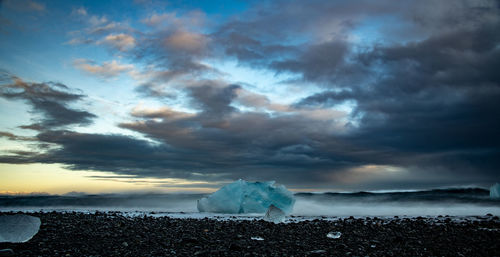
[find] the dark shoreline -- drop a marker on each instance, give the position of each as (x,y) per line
(113,234)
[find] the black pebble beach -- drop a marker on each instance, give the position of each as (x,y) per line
(114,234)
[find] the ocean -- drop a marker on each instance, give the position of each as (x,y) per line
(452,202)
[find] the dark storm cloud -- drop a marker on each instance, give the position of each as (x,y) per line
(49,99)
(213,100)
(271,35)
(326,98)
(247,49)
(217,143)
(435,101)
(96,152)
(206,159)
(428,103)
(317,62)
(222,142)
(275,34)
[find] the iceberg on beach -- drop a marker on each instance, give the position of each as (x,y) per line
(18,228)
(495,191)
(248,197)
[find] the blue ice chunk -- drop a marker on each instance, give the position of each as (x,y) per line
(248,197)
(495,191)
(18,228)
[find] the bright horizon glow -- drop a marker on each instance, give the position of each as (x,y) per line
(54,179)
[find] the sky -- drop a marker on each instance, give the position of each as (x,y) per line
(186,96)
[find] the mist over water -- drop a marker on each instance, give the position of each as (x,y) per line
(453,202)
(104,202)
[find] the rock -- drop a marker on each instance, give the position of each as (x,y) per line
(76,234)
(189,240)
(200,253)
(235,247)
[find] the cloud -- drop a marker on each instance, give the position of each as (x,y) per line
(220,137)
(25,5)
(185,41)
(174,57)
(82,11)
(191,19)
(49,99)
(106,70)
(317,61)
(174,48)
(79,41)
(258,102)
(400,93)
(99,30)
(163,113)
(204,145)
(95,20)
(431,99)
(13,137)
(121,42)
(213,99)
(36,6)
(156,19)
(422,102)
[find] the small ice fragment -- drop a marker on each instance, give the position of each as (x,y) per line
(6,252)
(317,251)
(18,228)
(495,191)
(247,197)
(258,238)
(274,214)
(334,235)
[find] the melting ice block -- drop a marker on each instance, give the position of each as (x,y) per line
(495,191)
(334,235)
(248,197)
(18,228)
(274,214)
